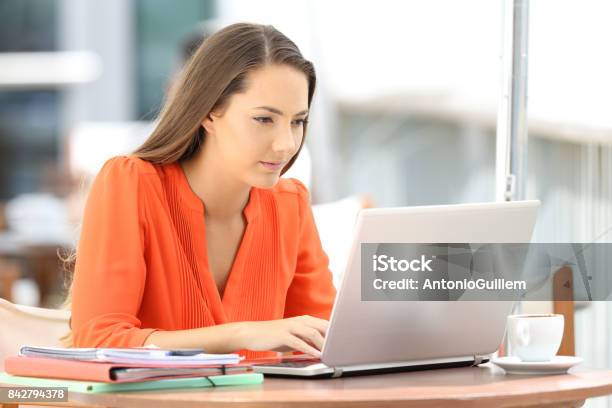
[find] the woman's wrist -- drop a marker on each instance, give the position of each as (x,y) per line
(238,335)
(222,338)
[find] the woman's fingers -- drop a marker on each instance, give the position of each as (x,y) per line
(311,335)
(320,324)
(301,333)
(300,345)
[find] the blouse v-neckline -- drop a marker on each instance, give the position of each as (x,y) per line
(231,292)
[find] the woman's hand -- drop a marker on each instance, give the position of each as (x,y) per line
(301,333)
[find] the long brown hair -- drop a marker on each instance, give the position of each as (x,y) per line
(215,72)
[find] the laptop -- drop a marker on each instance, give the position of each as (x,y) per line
(367,337)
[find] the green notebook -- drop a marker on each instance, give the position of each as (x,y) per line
(93,386)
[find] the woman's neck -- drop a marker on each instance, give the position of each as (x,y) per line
(223,196)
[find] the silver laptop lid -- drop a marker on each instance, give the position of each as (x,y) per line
(390,331)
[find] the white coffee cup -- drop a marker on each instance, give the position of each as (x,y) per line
(535,337)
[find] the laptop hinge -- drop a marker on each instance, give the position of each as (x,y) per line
(477,360)
(337,372)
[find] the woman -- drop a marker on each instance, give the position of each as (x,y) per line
(194,240)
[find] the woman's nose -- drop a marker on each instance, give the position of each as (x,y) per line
(285,142)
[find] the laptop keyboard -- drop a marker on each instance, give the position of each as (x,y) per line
(293,364)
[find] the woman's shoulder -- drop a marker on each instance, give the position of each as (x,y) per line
(292,206)
(291,186)
(292,198)
(126,165)
(127,175)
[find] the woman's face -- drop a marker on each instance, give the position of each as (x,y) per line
(261,129)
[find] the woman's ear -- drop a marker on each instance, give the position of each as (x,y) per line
(208,124)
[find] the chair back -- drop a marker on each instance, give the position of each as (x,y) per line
(29,325)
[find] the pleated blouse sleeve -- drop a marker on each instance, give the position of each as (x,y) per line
(311,291)
(110,270)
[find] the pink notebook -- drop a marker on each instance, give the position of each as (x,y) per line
(108,372)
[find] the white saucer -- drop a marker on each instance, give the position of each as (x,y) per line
(558,365)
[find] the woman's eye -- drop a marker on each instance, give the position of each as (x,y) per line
(301,122)
(267,119)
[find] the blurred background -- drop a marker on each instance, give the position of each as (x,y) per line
(404,114)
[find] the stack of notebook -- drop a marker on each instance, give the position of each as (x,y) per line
(115,369)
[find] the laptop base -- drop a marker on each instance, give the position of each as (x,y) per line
(336,373)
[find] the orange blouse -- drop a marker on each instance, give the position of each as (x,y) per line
(142,258)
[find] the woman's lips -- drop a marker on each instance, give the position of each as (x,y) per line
(272,165)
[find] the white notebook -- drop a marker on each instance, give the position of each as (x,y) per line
(131,355)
